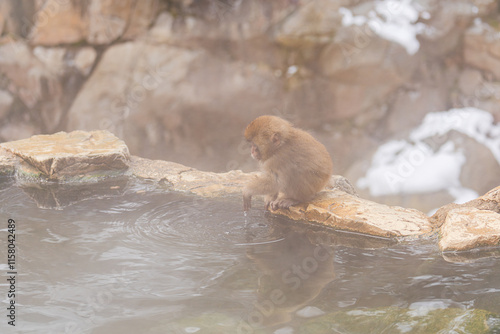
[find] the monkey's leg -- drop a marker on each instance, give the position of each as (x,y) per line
(283,203)
(269,199)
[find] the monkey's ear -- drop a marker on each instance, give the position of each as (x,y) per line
(276,139)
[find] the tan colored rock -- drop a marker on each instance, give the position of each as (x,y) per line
(97,21)
(70,154)
(489,201)
(41,79)
(58,22)
(349,213)
(158,95)
(181,178)
(126,76)
(468,228)
(334,208)
(107,20)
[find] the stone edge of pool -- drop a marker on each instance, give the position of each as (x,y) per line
(82,156)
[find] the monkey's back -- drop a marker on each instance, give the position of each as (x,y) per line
(305,166)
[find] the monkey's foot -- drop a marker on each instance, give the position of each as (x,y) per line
(283,203)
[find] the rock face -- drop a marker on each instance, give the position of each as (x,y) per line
(63,155)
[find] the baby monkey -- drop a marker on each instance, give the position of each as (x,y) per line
(294,165)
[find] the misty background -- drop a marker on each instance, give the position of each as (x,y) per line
(404,94)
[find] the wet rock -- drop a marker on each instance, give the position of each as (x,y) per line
(489,201)
(334,208)
(7,162)
(181,178)
(76,155)
(58,196)
(468,228)
(349,213)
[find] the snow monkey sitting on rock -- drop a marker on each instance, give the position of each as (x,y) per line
(294,165)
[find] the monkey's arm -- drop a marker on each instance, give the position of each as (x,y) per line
(264,184)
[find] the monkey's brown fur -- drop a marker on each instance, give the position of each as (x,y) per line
(294,165)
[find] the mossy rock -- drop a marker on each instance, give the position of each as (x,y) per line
(395,320)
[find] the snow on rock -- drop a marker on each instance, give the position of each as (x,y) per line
(393,20)
(413,166)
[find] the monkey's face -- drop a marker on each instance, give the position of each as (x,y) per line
(255,152)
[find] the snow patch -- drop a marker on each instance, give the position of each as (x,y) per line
(412,166)
(393,20)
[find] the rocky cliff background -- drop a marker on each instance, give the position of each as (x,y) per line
(404,94)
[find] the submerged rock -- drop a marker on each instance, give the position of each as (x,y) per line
(64,156)
(416,319)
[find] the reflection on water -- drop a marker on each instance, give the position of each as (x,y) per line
(148,261)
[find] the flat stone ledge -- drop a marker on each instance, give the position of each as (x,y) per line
(181,178)
(346,212)
(333,208)
(63,155)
